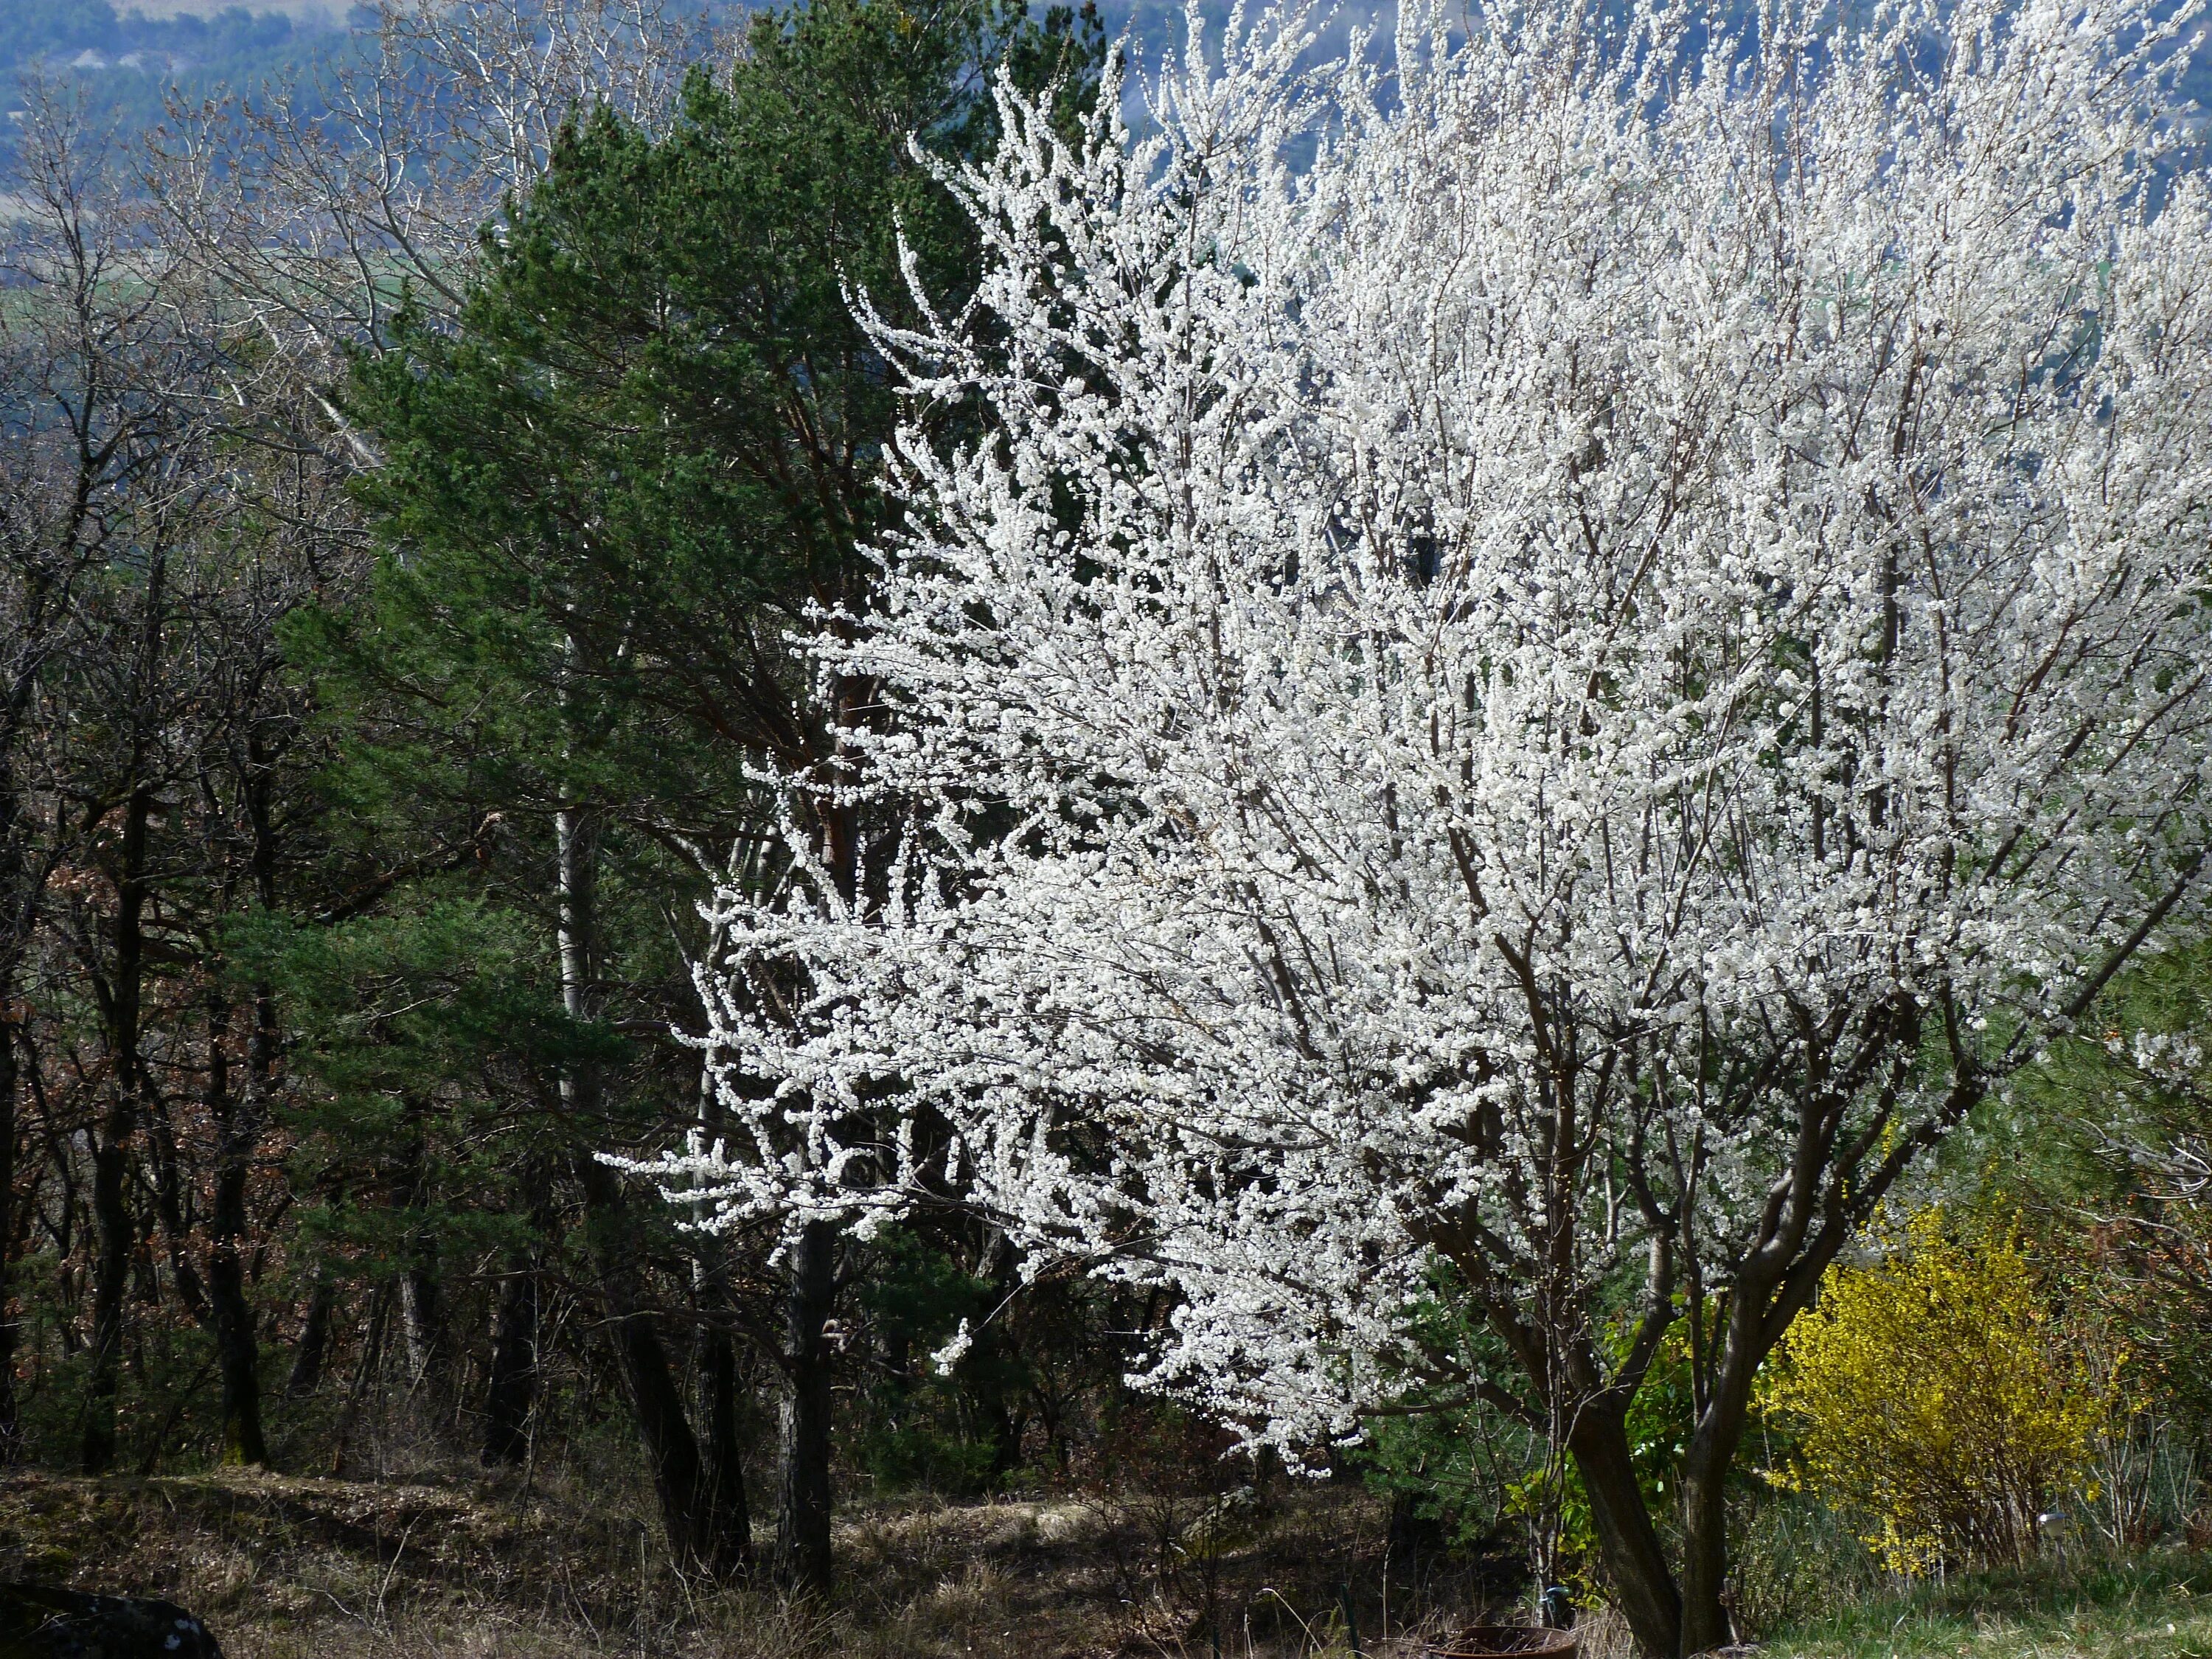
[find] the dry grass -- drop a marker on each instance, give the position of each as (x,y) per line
(414,1567)
(285,1568)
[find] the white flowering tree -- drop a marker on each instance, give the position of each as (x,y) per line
(1566,645)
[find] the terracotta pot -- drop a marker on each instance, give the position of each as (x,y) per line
(1519,1641)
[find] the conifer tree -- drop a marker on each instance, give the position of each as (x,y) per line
(649,443)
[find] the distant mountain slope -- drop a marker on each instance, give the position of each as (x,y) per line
(125,61)
(1154,28)
(33,28)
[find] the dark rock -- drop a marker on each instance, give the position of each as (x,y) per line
(59,1624)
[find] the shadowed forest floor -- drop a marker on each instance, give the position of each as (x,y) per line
(282,1566)
(286,1568)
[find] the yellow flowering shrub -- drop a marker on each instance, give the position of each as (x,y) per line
(1934,1396)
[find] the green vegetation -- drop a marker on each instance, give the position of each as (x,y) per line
(2157,1607)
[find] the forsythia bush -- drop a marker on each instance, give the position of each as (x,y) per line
(1933,1395)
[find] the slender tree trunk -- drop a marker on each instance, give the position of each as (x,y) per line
(10,1438)
(705,1532)
(421,1306)
(238,1135)
(111,1268)
(422,1313)
(1637,1574)
(169,1208)
(23,881)
(237,1353)
(1759,1308)
(364,1374)
(802,1524)
(511,1384)
(804,1498)
(716,1361)
(111,1210)
(1010,1416)
(314,1340)
(119,1007)
(512,1387)
(724,1456)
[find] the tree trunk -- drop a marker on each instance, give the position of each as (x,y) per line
(423,1313)
(11,1440)
(421,1307)
(118,1002)
(706,1531)
(314,1340)
(238,1135)
(512,1387)
(169,1210)
(726,1469)
(20,889)
(237,1355)
(111,1268)
(511,1384)
(1637,1575)
(1759,1310)
(364,1375)
(111,1210)
(802,1522)
(802,1506)
(1704,1487)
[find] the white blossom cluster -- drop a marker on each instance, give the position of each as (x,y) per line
(1560,641)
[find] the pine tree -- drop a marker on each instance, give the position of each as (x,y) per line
(650,444)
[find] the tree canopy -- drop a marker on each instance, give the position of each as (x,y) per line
(1542,704)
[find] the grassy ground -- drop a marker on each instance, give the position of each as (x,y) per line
(2157,1607)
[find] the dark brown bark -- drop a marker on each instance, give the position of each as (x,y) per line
(724,1455)
(237,1354)
(1714,1441)
(1636,1571)
(23,875)
(10,1438)
(110,1271)
(803,1498)
(169,1208)
(511,1389)
(118,993)
(707,1527)
(314,1346)
(239,1121)
(803,1509)
(511,1381)
(364,1374)
(113,1222)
